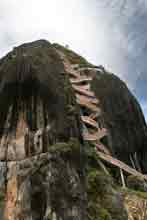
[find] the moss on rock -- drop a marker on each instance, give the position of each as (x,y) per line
(104,200)
(73,57)
(73,146)
(136,183)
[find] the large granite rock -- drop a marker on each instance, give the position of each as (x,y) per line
(38,110)
(35,93)
(124,119)
(47,171)
(49,186)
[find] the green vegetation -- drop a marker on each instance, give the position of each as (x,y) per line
(96,185)
(2,197)
(70,148)
(140,194)
(73,57)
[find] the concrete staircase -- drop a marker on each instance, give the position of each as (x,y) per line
(91,115)
(89,104)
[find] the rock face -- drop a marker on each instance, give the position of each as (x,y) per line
(124,119)
(34,89)
(44,187)
(47,169)
(38,110)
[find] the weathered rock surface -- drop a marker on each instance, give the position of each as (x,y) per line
(48,186)
(47,170)
(38,110)
(124,119)
(122,113)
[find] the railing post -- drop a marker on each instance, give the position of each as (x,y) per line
(122,178)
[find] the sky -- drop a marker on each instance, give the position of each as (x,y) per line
(112,33)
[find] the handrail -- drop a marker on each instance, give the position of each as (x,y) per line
(121,165)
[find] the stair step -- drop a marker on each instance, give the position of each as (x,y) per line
(88,105)
(83,69)
(89,121)
(81,80)
(96,68)
(73,73)
(94,137)
(94,115)
(75,66)
(87,99)
(85,87)
(78,66)
(101,147)
(82,91)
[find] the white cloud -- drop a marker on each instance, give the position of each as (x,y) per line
(107,32)
(63,21)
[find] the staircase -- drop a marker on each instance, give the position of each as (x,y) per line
(89,104)
(86,99)
(90,113)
